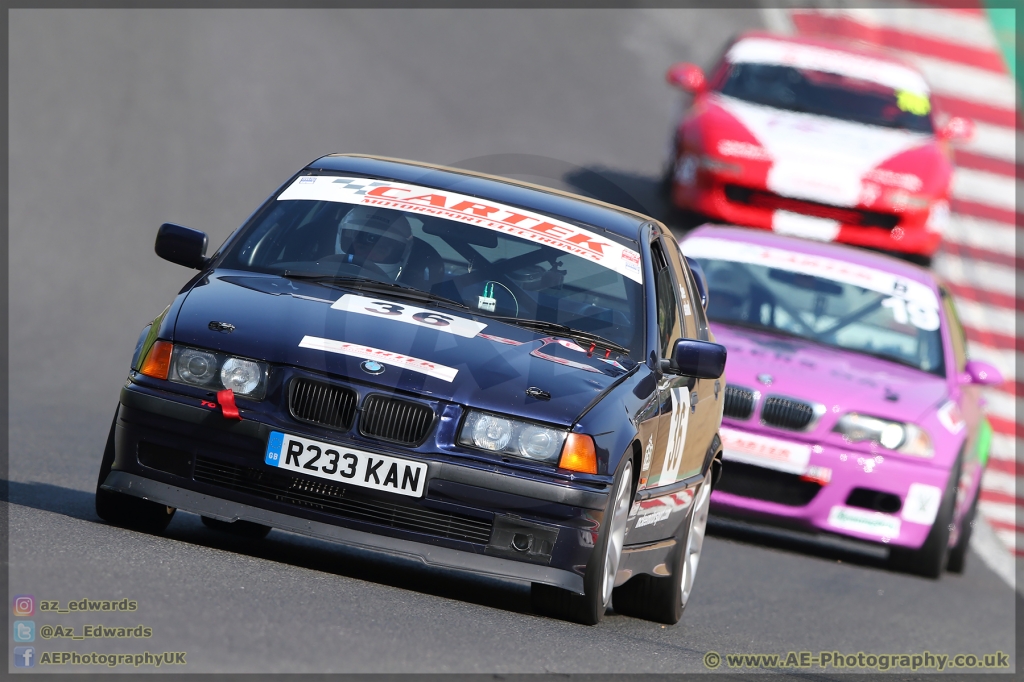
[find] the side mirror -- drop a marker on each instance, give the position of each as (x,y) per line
(686,77)
(181,245)
(701,359)
(982,373)
(957,129)
(700,280)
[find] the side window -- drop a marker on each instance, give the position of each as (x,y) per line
(684,295)
(700,320)
(664,288)
(956,332)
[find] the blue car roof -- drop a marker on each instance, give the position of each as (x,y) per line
(617,220)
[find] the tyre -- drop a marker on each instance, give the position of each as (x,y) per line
(663,600)
(242,529)
(930,559)
(958,554)
(599,580)
(124,510)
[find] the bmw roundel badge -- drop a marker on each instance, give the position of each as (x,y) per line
(372,367)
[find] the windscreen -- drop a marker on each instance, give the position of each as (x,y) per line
(497,260)
(828,94)
(823,300)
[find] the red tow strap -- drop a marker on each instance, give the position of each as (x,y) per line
(226,400)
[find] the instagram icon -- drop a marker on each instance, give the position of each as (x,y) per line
(24,605)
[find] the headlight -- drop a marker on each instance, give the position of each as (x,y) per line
(511,437)
(905,438)
(217,371)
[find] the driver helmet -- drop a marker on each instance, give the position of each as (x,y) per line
(380,236)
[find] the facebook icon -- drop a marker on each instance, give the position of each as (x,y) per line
(24,656)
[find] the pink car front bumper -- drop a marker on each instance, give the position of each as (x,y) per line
(859,500)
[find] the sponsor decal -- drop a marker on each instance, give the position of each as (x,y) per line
(950,417)
(491,215)
(864,521)
(660,508)
(743,150)
(817,474)
(913,102)
(383,356)
(653,516)
(907,181)
(922,504)
(809,264)
(805,226)
(762,451)
(409,314)
(648,451)
(814,58)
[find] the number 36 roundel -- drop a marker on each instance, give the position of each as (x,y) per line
(409,314)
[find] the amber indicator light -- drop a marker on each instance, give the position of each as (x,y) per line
(158,361)
(578,454)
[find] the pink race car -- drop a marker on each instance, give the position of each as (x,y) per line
(815,139)
(852,406)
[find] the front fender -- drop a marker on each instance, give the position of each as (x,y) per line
(614,422)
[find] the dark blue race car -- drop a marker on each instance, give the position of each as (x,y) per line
(478,373)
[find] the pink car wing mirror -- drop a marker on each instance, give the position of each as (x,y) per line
(981,373)
(957,129)
(686,76)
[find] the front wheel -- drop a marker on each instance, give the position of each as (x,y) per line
(125,510)
(929,560)
(599,580)
(958,554)
(663,600)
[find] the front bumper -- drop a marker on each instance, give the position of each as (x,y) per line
(835,508)
(193,459)
(708,196)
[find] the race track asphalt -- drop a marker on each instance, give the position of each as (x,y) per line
(123,119)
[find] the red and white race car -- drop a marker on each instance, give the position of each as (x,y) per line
(824,140)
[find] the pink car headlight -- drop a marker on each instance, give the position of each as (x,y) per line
(907,439)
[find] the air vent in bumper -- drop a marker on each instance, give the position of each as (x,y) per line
(342,502)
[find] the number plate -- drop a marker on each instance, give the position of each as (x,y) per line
(345,465)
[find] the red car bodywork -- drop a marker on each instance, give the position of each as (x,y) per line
(877,187)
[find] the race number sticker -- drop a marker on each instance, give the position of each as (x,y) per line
(345,465)
(383,356)
(409,314)
(676,436)
(485,213)
(911,312)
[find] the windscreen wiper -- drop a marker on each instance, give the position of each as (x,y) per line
(561,329)
(375,285)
